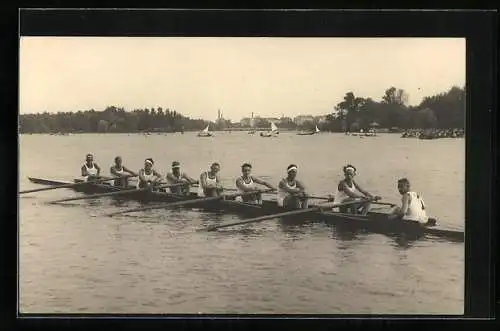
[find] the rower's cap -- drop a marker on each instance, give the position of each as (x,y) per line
(176,164)
(149,160)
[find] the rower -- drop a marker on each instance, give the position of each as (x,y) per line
(90,169)
(412,204)
(148,177)
(348,190)
(210,185)
(291,192)
(119,170)
(247,183)
(176,176)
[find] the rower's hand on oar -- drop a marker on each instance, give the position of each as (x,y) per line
(331,198)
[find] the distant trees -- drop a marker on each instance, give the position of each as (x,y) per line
(445,110)
(111,119)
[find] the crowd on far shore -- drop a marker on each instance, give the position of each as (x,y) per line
(433,133)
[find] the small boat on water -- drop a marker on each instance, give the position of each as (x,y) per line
(310,133)
(205,132)
(373,222)
(273,133)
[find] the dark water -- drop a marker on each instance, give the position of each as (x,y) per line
(155,262)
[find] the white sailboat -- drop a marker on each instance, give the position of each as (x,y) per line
(205,132)
(273,133)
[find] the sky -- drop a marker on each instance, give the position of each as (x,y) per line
(270,77)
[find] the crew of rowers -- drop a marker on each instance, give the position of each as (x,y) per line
(350,197)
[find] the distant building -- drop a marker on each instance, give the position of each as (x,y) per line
(247,121)
(301,119)
(320,119)
(273,119)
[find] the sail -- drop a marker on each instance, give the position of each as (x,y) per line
(205,130)
(274,128)
(317,130)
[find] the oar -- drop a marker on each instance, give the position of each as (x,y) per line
(288,213)
(317,198)
(114,193)
(103,179)
(384,203)
(185,202)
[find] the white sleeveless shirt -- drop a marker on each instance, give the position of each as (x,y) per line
(147,177)
(341,196)
(416,209)
(250,185)
(90,171)
(282,194)
(210,181)
(118,171)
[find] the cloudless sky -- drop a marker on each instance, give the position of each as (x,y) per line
(197,76)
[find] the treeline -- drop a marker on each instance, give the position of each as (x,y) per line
(112,119)
(442,111)
(445,110)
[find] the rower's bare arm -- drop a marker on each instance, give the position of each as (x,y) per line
(113,171)
(405,204)
(129,171)
(190,180)
(203,180)
(218,183)
(263,182)
(141,176)
(360,189)
(171,178)
(301,186)
(159,177)
(84,171)
(98,169)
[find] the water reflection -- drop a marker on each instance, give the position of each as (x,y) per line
(294,229)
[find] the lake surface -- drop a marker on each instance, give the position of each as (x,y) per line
(154,262)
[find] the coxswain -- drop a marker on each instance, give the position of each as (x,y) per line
(148,177)
(90,169)
(412,205)
(348,190)
(119,170)
(178,177)
(210,185)
(247,183)
(291,192)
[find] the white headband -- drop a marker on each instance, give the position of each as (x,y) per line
(148,161)
(292,168)
(350,168)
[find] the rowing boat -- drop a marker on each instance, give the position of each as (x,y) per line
(374,222)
